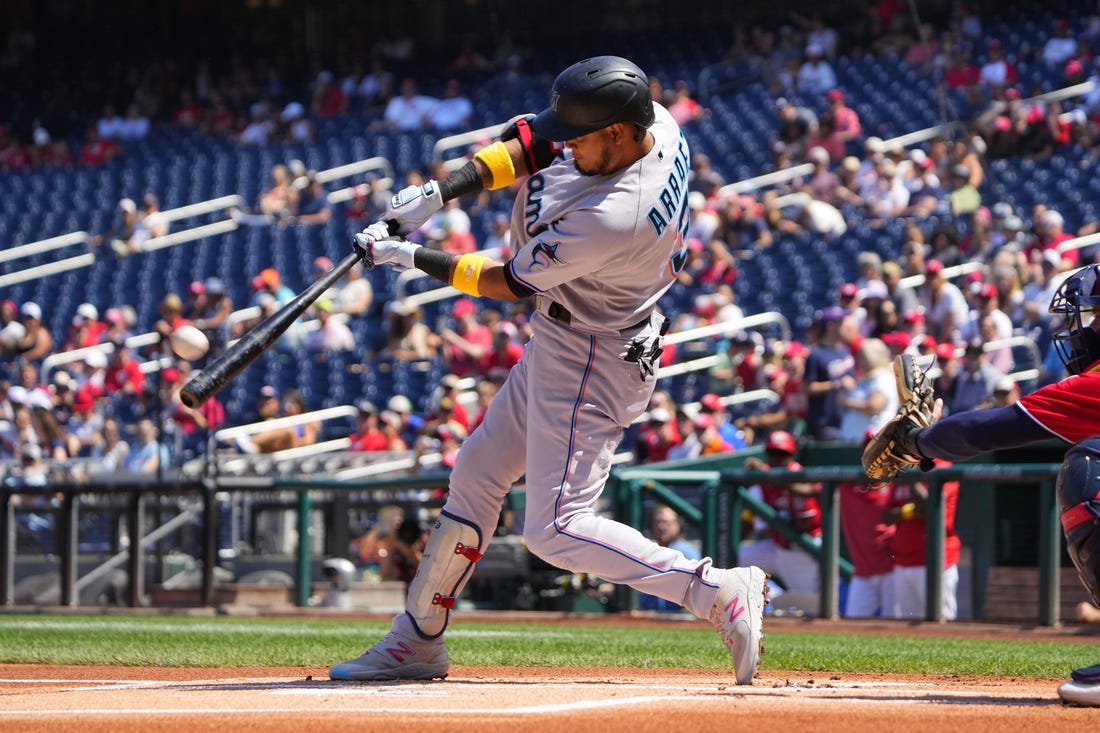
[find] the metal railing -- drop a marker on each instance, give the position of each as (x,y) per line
(725,496)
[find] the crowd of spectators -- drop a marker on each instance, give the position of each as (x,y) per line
(830,382)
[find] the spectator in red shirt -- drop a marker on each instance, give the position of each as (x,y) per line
(468,344)
(14,155)
(846,122)
(657,438)
(905,509)
(450,391)
(97,150)
(960,73)
(369,435)
(506,352)
(797,505)
(1050,233)
(86,329)
(870,546)
(329,99)
(193,425)
(123,371)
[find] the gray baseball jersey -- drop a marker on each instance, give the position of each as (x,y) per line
(599,251)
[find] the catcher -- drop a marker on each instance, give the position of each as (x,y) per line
(1069,410)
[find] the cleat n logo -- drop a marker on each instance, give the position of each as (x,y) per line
(400,651)
(733,609)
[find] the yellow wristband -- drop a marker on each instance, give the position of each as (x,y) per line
(499,162)
(467,273)
(908,510)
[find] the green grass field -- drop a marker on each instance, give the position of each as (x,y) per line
(228,642)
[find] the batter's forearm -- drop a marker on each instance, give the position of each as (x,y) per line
(973,432)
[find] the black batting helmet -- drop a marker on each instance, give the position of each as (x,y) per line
(593,94)
(1079,505)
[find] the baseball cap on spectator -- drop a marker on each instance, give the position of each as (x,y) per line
(874,289)
(831,313)
(933,267)
(269,276)
(113,315)
(913,316)
(96,359)
(87,311)
(659,414)
(987,291)
(1012,93)
(196,288)
(366,407)
(324,304)
(39,398)
(850,164)
(214,286)
(127,205)
(61,380)
(960,171)
(818,154)
(1051,257)
(945,351)
(322,263)
(400,404)
(269,392)
(697,201)
(771,371)
(30,452)
(780,441)
(17,395)
(257,283)
(1051,218)
(265,299)
(849,290)
(795,348)
(898,341)
(835,95)
(815,49)
(463,307)
(711,402)
(448,381)
(1004,385)
(292,111)
(703,420)
(30,309)
(170,375)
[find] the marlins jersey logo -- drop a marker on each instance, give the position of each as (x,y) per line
(544,253)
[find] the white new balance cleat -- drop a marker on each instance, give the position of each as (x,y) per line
(738,617)
(396,657)
(1083,689)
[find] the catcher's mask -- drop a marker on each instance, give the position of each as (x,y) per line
(1079,504)
(1077,343)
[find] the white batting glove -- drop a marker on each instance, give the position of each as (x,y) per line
(410,207)
(376,246)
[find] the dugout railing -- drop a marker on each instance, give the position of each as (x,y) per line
(725,497)
(722,497)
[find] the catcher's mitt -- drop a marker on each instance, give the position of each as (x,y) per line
(893,449)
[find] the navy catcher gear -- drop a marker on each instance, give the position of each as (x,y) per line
(1077,344)
(593,94)
(1079,504)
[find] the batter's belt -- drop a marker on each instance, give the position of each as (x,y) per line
(558,312)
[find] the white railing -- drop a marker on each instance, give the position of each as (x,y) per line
(464,140)
(67,357)
(45,245)
(328,413)
(725,328)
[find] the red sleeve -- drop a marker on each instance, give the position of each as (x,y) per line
(1070,408)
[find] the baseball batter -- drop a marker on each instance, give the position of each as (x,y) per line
(599,229)
(1069,410)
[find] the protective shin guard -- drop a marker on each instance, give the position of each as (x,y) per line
(447,564)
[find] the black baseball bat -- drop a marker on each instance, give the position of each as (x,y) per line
(257,339)
(248,347)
